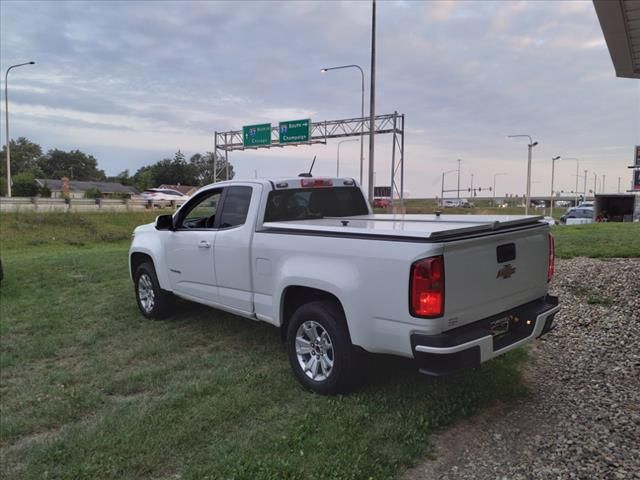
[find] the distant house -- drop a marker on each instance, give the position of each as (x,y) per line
(184,189)
(77,189)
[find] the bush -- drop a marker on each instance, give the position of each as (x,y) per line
(121,195)
(93,193)
(45,191)
(24,185)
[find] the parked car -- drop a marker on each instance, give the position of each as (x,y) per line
(577,213)
(456,202)
(306,255)
(381,202)
(163,196)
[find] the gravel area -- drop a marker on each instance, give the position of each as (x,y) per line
(581,419)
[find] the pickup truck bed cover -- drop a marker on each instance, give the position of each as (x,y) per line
(404,227)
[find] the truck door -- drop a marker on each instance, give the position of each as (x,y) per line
(232,251)
(189,249)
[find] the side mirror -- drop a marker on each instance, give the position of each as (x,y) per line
(164,222)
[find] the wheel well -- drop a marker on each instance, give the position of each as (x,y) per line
(138,259)
(295,296)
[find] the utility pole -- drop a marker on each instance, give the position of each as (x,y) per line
(215,154)
(528,187)
(472,186)
(603,189)
(372,101)
(553,167)
(528,199)
(493,202)
(459,160)
(619,178)
(595,183)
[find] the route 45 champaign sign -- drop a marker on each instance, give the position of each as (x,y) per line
(295,131)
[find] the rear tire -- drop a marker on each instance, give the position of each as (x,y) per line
(319,348)
(153,302)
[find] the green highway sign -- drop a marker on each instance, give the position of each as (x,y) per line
(295,131)
(256,135)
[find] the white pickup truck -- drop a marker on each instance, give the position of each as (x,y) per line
(308,256)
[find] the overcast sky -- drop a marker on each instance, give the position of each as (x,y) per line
(132,82)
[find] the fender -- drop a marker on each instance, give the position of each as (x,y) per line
(151,245)
(326,274)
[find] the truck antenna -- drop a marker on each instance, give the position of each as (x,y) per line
(309,173)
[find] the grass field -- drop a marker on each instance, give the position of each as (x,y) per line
(598,240)
(91,389)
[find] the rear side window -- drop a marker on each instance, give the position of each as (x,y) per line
(235,207)
(307,203)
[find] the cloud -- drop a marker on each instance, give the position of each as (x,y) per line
(135,81)
(441,11)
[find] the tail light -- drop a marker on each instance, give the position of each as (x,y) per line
(426,295)
(552,258)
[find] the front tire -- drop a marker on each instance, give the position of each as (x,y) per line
(153,302)
(319,348)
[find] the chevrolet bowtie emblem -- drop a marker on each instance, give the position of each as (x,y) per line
(506,271)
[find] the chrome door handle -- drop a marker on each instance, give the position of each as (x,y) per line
(204,244)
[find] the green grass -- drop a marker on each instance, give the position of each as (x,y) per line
(54,229)
(598,240)
(90,389)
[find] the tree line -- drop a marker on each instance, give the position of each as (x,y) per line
(28,162)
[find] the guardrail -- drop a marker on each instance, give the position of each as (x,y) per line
(39,204)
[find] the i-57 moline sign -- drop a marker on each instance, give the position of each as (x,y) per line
(256,135)
(295,131)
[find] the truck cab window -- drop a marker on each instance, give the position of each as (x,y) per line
(310,203)
(202,213)
(236,206)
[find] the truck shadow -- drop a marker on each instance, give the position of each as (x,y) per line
(377,372)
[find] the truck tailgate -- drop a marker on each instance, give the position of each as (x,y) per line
(492,274)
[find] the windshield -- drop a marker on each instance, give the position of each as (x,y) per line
(308,203)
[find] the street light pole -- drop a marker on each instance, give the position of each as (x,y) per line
(338,155)
(6,111)
(528,188)
(595,184)
(585,184)
(459,160)
(361,111)
(372,101)
(493,200)
(442,187)
(553,167)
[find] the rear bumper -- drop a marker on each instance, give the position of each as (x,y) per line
(469,346)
